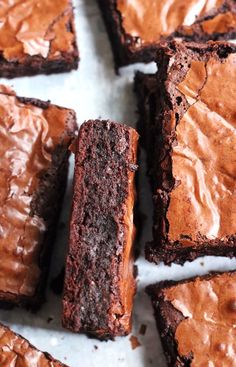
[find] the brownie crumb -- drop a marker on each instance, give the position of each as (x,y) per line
(143,329)
(135,343)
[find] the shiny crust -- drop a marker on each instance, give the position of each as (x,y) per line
(155,109)
(128,49)
(43,204)
(16,350)
(121,43)
(168,317)
(52,49)
(99,281)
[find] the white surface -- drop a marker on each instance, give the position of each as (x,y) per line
(95,91)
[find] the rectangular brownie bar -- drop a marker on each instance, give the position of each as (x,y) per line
(34,141)
(37,37)
(136,27)
(188,115)
(17,351)
(99,282)
(196,319)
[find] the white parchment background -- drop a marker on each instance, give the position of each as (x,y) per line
(95,91)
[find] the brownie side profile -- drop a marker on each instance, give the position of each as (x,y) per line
(30,46)
(35,137)
(136,28)
(99,280)
(196,319)
(17,351)
(190,144)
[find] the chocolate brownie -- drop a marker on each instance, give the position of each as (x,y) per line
(189,118)
(37,37)
(136,27)
(34,141)
(99,282)
(17,351)
(196,319)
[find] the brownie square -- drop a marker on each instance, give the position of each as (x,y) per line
(37,37)
(17,351)
(188,115)
(99,281)
(34,141)
(136,27)
(196,319)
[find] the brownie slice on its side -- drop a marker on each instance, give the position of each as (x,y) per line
(137,27)
(196,319)
(17,351)
(37,37)
(34,141)
(188,115)
(99,281)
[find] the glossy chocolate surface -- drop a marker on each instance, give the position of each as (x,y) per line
(208,331)
(203,204)
(32,27)
(29,136)
(150,20)
(16,351)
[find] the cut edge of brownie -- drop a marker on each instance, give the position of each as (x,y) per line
(168,318)
(157,98)
(46,354)
(59,168)
(116,144)
(123,45)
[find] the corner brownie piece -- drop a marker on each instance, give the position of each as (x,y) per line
(191,147)
(34,141)
(196,319)
(17,351)
(37,37)
(99,281)
(136,27)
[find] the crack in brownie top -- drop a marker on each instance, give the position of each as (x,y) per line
(202,202)
(31,27)
(29,136)
(150,20)
(16,351)
(209,308)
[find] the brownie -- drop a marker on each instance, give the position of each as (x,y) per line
(188,116)
(34,141)
(99,280)
(137,27)
(37,37)
(196,319)
(17,351)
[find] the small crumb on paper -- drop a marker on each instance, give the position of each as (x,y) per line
(49,319)
(134,342)
(143,329)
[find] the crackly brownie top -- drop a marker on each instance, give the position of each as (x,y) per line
(202,204)
(207,333)
(16,351)
(32,27)
(149,20)
(29,136)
